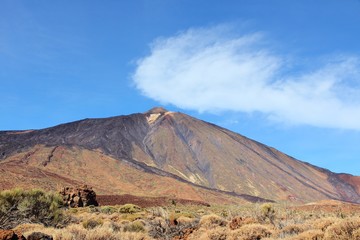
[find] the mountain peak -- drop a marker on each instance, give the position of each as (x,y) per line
(162,144)
(156,110)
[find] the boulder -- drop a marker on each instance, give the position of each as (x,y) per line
(78,196)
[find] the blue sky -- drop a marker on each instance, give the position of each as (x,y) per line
(285,73)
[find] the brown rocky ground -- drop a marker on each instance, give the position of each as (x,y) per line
(329,206)
(111,200)
(73,166)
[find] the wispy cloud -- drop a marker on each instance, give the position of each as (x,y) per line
(213,69)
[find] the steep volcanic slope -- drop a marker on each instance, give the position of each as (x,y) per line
(53,167)
(177,146)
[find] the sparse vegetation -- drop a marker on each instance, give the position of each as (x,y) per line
(129,221)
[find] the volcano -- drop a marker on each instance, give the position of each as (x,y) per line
(164,153)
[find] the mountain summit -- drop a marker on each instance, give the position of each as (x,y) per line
(164,153)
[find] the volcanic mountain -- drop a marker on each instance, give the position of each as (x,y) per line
(163,153)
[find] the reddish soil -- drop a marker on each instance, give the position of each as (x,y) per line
(352,180)
(144,201)
(330,206)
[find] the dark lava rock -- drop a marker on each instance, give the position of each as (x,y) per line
(78,197)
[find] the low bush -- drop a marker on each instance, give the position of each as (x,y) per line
(251,232)
(313,234)
(136,226)
(130,208)
(343,229)
(29,206)
(108,209)
(290,230)
(217,233)
(267,213)
(92,223)
(211,221)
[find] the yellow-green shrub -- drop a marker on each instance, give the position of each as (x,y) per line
(32,206)
(92,223)
(136,226)
(130,208)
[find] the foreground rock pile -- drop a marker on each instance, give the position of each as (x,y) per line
(10,235)
(78,197)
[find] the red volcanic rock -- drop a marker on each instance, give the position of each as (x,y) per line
(10,235)
(78,197)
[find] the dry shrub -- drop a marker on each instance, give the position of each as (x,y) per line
(290,230)
(136,226)
(74,230)
(101,233)
(64,235)
(173,218)
(19,206)
(237,222)
(201,212)
(343,229)
(104,232)
(131,217)
(356,234)
(134,236)
(182,220)
(108,209)
(217,233)
(250,232)
(115,217)
(266,213)
(313,234)
(212,221)
(116,227)
(323,223)
(130,208)
(159,212)
(92,223)
(26,227)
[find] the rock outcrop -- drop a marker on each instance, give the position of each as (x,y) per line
(78,197)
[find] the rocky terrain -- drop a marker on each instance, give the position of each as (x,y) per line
(160,153)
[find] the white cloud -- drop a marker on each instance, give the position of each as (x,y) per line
(214,70)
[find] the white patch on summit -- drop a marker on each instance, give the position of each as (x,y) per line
(153,117)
